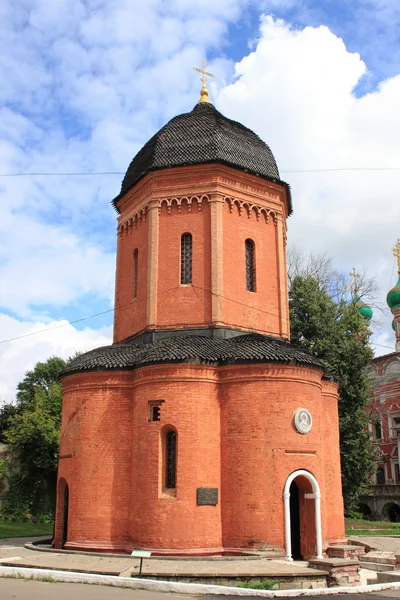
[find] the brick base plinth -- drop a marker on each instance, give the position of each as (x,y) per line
(342,572)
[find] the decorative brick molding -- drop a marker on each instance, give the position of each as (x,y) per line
(189,200)
(135,219)
(251,208)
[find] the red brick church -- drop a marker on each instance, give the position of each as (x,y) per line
(201,429)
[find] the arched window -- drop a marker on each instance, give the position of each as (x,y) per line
(186,258)
(135,272)
(380,476)
(170,459)
(378,431)
(250,256)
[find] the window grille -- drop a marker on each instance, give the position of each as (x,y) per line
(186,258)
(135,272)
(250,266)
(170,442)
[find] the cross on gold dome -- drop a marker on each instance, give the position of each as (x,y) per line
(356,278)
(396,253)
(204,91)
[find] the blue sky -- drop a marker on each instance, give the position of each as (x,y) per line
(84,84)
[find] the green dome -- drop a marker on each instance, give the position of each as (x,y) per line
(393,325)
(393,297)
(364,310)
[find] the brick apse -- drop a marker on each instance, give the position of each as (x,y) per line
(201,429)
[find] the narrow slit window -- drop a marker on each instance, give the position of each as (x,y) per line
(170,462)
(186,258)
(250,265)
(135,272)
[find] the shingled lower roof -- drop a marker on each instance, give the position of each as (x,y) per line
(203,136)
(196,349)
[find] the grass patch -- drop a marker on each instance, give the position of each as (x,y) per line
(373,528)
(10,529)
(265,584)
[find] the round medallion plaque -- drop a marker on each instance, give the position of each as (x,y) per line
(302,420)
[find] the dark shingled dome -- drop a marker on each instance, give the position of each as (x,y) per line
(195,349)
(203,136)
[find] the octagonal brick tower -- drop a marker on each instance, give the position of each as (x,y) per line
(213,179)
(201,429)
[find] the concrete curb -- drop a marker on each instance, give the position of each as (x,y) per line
(184,588)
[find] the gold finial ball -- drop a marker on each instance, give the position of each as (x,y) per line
(204,95)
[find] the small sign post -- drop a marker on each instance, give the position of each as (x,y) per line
(141,554)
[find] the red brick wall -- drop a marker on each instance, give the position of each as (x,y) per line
(257,310)
(95,457)
(235,432)
(261,448)
(180,306)
(130,314)
(332,518)
(167,520)
(256,206)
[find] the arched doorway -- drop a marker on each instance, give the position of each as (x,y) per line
(295,521)
(302,509)
(365,510)
(391,511)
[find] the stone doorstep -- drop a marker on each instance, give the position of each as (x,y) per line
(387,558)
(344,551)
(388,576)
(333,563)
(378,567)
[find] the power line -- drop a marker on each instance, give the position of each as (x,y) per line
(382,346)
(222,297)
(95,173)
(19,337)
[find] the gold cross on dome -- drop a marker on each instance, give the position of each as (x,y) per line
(204,91)
(396,253)
(356,278)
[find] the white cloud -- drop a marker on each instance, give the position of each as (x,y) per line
(83,84)
(20,355)
(296,91)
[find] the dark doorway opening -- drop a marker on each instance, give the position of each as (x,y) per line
(295,521)
(65,516)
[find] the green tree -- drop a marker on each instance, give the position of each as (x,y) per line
(33,433)
(335,332)
(6,412)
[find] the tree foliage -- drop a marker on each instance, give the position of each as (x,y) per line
(32,432)
(332,329)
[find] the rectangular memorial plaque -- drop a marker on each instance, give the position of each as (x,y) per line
(207,496)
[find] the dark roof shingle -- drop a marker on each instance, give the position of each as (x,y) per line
(203,136)
(249,348)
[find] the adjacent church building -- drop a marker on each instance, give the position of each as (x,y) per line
(382,500)
(201,429)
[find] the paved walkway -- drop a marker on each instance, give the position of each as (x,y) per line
(13,553)
(385,544)
(127,566)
